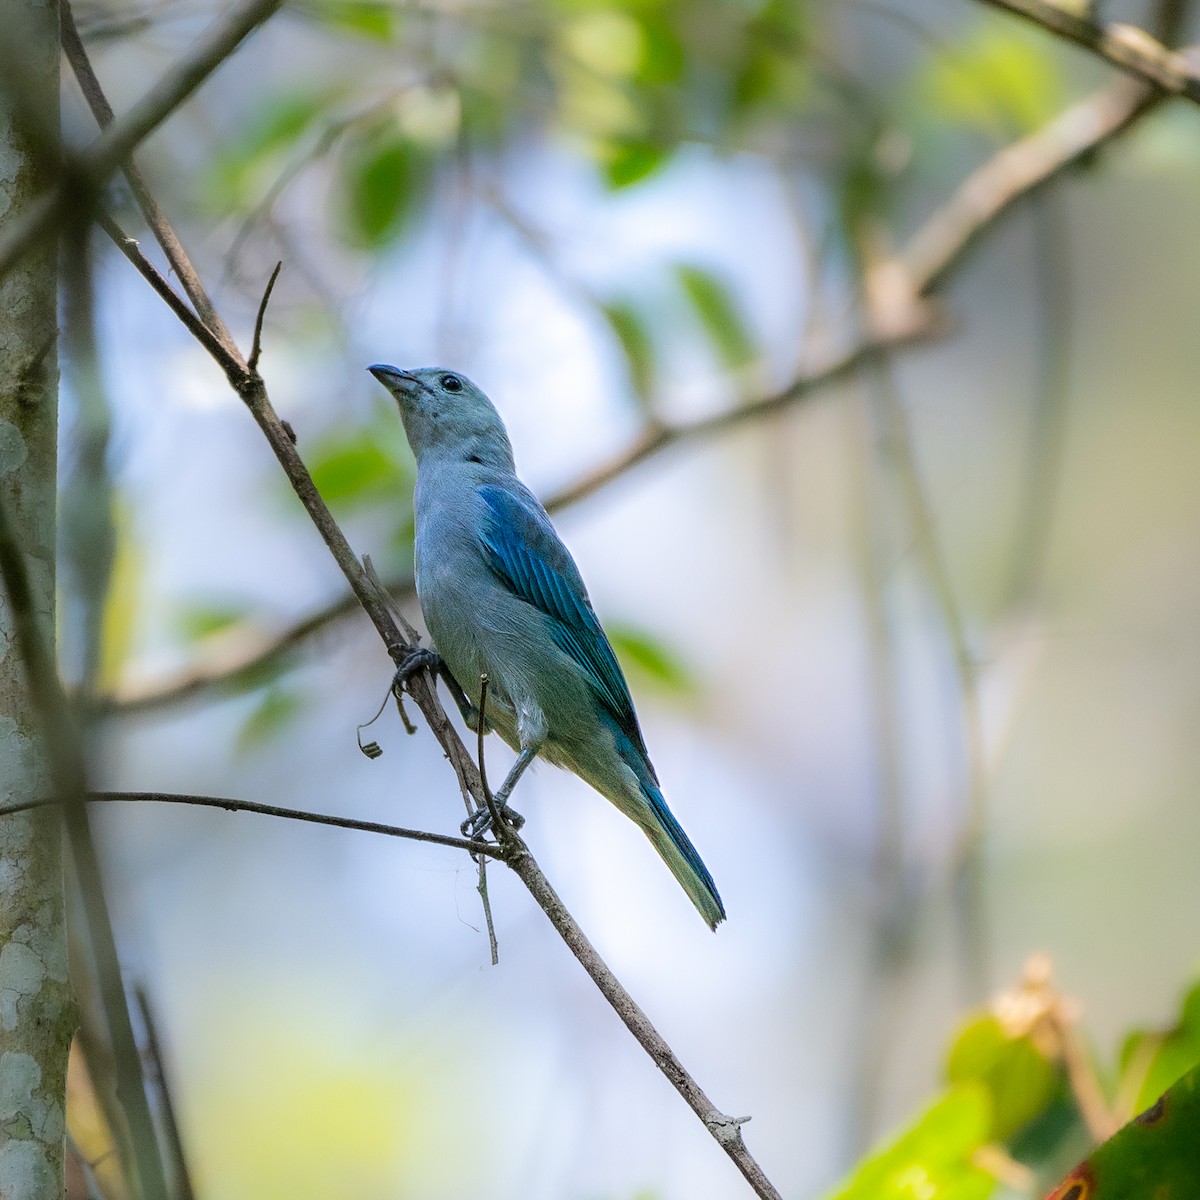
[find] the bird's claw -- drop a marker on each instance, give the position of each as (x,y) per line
(417,659)
(479,823)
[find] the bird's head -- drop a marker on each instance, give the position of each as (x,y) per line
(446,415)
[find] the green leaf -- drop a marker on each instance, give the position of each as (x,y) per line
(276,710)
(205,620)
(385,175)
(238,174)
(1019,1080)
(645,656)
(718,314)
(627,163)
(1155,1157)
(1162,1056)
(662,53)
(773,67)
(627,323)
(933,1158)
(358,469)
(1000,80)
(377,21)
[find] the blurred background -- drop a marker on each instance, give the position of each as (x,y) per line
(915,653)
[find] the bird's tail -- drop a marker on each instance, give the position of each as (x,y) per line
(679,854)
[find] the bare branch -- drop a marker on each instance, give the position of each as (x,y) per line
(129,247)
(725,1129)
(471,845)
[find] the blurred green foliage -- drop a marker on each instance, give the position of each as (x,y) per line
(1018,1078)
(1161,1056)
(1000,80)
(934,1158)
(275,711)
(1008,1080)
(645,658)
(718,313)
(1156,1156)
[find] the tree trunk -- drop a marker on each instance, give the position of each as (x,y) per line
(36,1009)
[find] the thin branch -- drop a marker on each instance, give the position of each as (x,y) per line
(91,168)
(1125,46)
(991,191)
(471,845)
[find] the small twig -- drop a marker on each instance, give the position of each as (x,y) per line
(256,347)
(1101,1122)
(471,845)
(482,886)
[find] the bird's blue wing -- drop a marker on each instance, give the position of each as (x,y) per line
(525,553)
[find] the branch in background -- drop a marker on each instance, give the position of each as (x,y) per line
(88,170)
(990,192)
(938,247)
(1126,46)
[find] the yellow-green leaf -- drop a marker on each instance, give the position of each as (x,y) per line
(932,1159)
(1020,1082)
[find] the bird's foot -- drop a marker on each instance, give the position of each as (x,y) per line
(479,823)
(417,659)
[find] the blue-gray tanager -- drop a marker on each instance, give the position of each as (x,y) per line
(503,598)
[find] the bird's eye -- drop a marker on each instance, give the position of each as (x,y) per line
(451,383)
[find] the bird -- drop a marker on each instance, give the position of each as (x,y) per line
(503,598)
